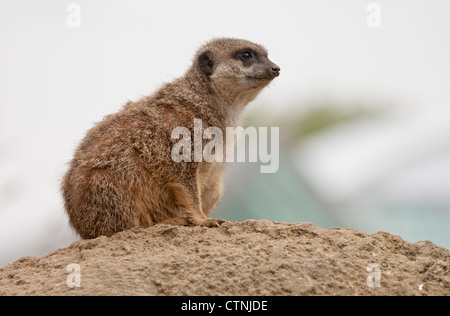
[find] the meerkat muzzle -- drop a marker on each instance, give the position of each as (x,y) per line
(275,70)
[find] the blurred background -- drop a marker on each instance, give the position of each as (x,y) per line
(362,103)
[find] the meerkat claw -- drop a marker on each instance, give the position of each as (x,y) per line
(209,222)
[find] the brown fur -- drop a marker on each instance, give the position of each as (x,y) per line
(122,174)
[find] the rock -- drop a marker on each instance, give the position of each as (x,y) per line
(248,258)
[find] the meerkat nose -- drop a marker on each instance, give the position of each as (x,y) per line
(275,70)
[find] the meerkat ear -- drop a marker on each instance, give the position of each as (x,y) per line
(206,63)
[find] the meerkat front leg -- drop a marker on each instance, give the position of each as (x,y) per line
(210,196)
(189,204)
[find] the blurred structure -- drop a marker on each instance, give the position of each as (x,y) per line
(282,196)
(350,166)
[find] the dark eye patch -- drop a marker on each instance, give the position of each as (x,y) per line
(247,55)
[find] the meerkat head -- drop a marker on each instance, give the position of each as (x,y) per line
(236,68)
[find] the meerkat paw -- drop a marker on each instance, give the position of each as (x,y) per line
(176,221)
(207,222)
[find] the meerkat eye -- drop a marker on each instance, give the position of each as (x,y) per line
(246,56)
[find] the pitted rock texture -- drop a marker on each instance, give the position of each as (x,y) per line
(247,258)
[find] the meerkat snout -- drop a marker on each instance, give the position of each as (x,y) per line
(123,175)
(275,70)
(261,63)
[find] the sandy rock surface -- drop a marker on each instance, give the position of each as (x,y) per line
(248,258)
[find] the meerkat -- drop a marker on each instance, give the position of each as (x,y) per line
(122,174)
